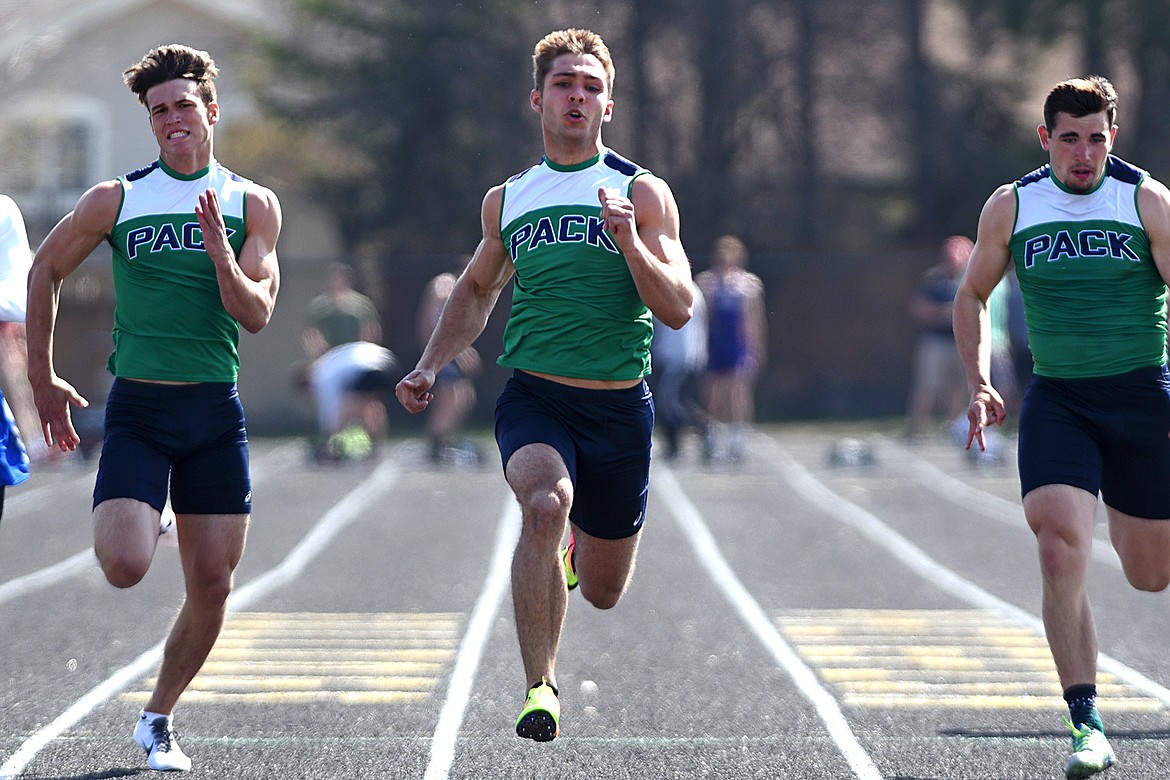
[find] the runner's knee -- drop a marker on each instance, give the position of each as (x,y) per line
(1061,555)
(601,595)
(1151,579)
(121,570)
(209,591)
(1151,584)
(546,511)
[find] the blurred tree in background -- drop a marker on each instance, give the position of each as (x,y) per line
(401,112)
(1124,40)
(841,139)
(801,125)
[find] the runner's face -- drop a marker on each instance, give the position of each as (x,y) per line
(179,119)
(575,99)
(1077,148)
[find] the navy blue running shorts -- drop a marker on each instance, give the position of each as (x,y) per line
(603,436)
(190,436)
(1106,435)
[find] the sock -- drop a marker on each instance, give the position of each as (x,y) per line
(1082,706)
(150,716)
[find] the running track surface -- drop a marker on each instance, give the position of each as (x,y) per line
(793,616)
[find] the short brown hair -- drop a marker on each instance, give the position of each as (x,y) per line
(1081,97)
(571,41)
(174,61)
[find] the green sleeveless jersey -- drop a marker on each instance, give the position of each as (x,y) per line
(169,320)
(1094,301)
(575,309)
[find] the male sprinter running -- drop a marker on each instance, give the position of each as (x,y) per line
(593,242)
(194,257)
(1089,235)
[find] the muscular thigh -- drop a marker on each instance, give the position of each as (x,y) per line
(209,470)
(603,438)
(524,418)
(214,480)
(133,465)
(613,476)
(1144,549)
(189,439)
(211,546)
(1056,443)
(605,560)
(1106,436)
(1136,479)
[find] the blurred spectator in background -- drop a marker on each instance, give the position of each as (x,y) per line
(736,347)
(454,388)
(350,373)
(339,315)
(679,358)
(15,260)
(938,383)
(351,383)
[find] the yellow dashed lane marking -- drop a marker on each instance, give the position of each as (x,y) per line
(307,657)
(953,659)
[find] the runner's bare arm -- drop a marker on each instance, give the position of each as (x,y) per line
(646,228)
(68,244)
(248,284)
(466,312)
(972,323)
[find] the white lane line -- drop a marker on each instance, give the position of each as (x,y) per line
(1010,513)
(31,492)
(835,505)
(707,551)
(342,514)
(278,459)
(319,537)
(50,575)
(471,649)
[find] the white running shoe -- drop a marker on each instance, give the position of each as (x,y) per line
(158,738)
(166,520)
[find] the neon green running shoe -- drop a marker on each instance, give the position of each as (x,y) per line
(1091,752)
(567,562)
(541,716)
(354,443)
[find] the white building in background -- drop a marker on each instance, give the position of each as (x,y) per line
(67,121)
